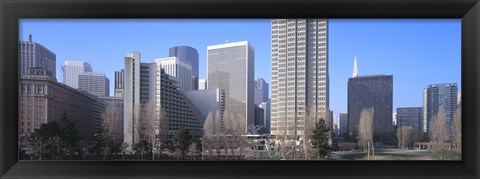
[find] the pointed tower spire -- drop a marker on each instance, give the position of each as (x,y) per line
(355,68)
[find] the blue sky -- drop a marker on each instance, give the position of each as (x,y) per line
(416,52)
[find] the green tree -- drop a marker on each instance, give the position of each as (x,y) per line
(142,148)
(334,145)
(320,138)
(182,141)
(54,139)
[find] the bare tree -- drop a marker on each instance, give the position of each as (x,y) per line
(161,131)
(145,128)
(112,134)
(405,137)
(309,123)
(208,131)
(240,131)
(218,133)
(438,133)
(399,138)
(457,129)
(438,129)
(365,130)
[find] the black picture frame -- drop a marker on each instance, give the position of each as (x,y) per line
(12,10)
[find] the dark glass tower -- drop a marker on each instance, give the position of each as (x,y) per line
(371,91)
(190,55)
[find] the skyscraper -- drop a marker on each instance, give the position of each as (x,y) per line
(299,73)
(231,68)
(438,96)
(411,116)
(118,85)
(71,69)
(261,91)
(179,70)
(94,83)
(32,54)
(190,55)
(131,96)
(372,91)
(343,121)
(202,84)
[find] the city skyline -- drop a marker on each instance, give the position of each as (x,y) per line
(381,47)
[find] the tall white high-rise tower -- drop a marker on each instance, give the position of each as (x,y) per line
(299,73)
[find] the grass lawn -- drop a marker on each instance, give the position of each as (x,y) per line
(388,154)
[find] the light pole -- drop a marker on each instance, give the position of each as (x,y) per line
(202,148)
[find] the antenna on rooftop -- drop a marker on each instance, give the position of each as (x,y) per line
(30,37)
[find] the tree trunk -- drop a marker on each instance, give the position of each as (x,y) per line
(368,150)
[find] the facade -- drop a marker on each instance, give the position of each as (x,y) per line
(259,120)
(32,54)
(202,84)
(412,116)
(131,96)
(147,83)
(42,99)
(179,114)
(300,80)
(190,55)
(438,96)
(343,122)
(71,70)
(204,101)
(179,70)
(118,85)
(261,91)
(266,108)
(231,68)
(375,91)
(94,83)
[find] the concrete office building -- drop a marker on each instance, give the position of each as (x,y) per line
(373,91)
(118,84)
(179,70)
(190,55)
(204,101)
(202,84)
(231,68)
(42,99)
(71,70)
(438,96)
(411,116)
(299,73)
(32,54)
(179,114)
(94,83)
(149,83)
(261,91)
(138,90)
(343,122)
